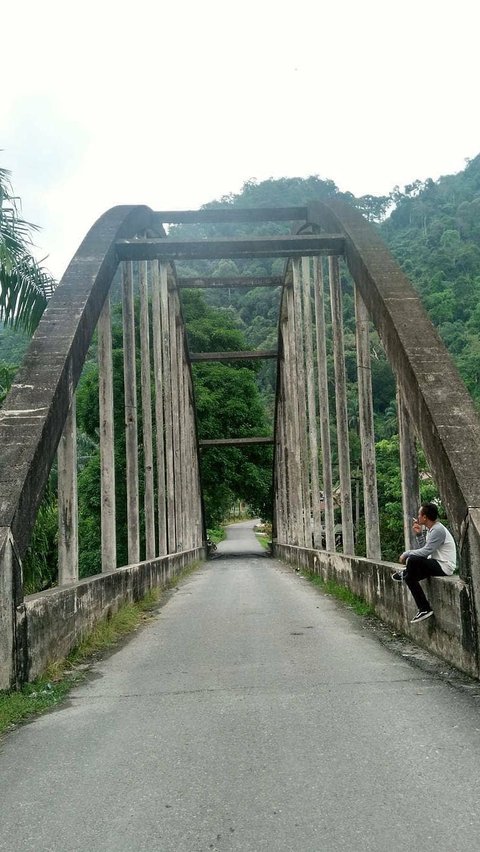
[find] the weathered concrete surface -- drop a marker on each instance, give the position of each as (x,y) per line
(58,619)
(255,715)
(450,634)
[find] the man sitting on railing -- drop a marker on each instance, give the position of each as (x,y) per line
(436,556)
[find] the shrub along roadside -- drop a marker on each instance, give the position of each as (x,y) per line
(216,534)
(50,689)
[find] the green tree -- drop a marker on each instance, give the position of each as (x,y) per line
(25,286)
(229,404)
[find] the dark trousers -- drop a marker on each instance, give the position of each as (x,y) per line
(419,568)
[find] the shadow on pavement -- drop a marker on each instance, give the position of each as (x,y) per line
(235,554)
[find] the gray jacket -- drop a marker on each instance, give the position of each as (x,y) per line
(437,544)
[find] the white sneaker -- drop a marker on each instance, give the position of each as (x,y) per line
(421,615)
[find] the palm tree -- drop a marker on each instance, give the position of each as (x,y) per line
(25,286)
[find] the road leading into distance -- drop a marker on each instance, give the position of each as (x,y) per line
(253,713)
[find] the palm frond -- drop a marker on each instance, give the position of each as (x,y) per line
(24,292)
(25,286)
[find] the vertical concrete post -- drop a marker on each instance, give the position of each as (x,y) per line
(182,440)
(341,406)
(281,511)
(176,437)
(291,493)
(286,430)
(277,524)
(67,501)
(159,418)
(13,648)
(188,462)
(323,404)
(291,397)
(131,429)
(149,499)
(408,469)
(311,408)
(167,408)
(197,491)
(299,349)
(277,471)
(367,432)
(107,448)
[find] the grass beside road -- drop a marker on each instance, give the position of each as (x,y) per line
(263,539)
(60,677)
(360,606)
(217,534)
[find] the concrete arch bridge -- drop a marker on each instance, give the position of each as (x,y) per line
(37,422)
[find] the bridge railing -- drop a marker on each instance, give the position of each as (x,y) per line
(39,415)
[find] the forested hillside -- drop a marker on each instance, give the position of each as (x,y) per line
(434,231)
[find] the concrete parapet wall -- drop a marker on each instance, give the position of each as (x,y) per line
(58,619)
(450,634)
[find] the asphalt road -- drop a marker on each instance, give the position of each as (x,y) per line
(253,713)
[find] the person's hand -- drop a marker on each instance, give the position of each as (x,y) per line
(402,558)
(417,528)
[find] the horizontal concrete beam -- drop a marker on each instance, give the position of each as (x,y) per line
(234,356)
(234,442)
(233,214)
(249,281)
(225,247)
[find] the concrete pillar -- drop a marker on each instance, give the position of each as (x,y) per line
(277,470)
(149,498)
(299,350)
(107,448)
(367,431)
(182,545)
(188,468)
(341,406)
(131,430)
(13,640)
(293,430)
(323,404)
(67,501)
(197,491)
(408,470)
(167,408)
(311,408)
(176,436)
(159,418)
(290,529)
(281,510)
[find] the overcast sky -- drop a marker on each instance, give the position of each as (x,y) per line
(176,104)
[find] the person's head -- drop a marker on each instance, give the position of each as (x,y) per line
(427,514)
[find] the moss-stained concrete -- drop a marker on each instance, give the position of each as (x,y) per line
(450,634)
(57,620)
